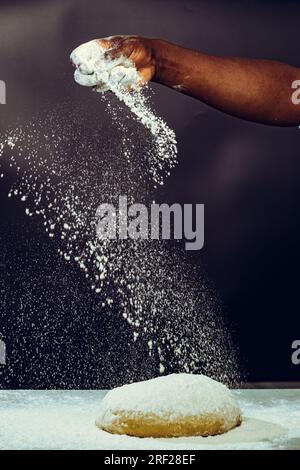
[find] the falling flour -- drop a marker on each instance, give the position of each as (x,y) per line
(63,176)
(118,75)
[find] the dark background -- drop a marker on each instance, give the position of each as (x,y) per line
(246,174)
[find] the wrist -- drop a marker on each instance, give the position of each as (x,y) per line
(171,63)
(157,48)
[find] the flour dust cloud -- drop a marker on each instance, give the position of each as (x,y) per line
(66,164)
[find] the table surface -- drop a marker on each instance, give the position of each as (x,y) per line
(64,419)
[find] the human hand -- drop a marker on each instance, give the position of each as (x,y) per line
(123,60)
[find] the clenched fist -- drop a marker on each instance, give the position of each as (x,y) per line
(123,60)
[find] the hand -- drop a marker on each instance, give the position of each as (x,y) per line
(112,58)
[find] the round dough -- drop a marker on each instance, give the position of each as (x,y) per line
(171,406)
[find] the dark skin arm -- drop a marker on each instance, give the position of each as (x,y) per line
(255,90)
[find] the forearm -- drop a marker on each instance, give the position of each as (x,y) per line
(256,90)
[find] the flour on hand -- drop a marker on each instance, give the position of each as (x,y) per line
(119,75)
(94,69)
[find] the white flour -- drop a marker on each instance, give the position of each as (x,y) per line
(67,163)
(173,396)
(93,69)
(62,176)
(53,419)
(117,75)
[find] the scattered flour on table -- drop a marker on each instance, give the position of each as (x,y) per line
(65,420)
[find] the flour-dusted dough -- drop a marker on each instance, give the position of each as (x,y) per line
(171,406)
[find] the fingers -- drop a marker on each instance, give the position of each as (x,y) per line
(87,79)
(85,56)
(146,75)
(102,62)
(127,77)
(87,59)
(101,88)
(117,46)
(118,75)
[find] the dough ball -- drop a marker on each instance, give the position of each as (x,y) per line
(171,406)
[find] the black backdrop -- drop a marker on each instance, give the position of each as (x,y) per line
(246,174)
